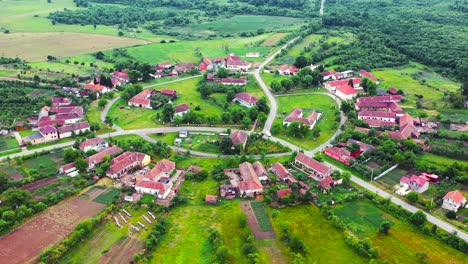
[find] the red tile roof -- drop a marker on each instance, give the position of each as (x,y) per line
(328,73)
(385,98)
(283,193)
(279,170)
(297,112)
(367,74)
(312,164)
(326,182)
(99,157)
(151,185)
(456,196)
(73,127)
(95,87)
(239,137)
(168,92)
(120,75)
(346,90)
(247,98)
(48,130)
(125,160)
(378,123)
(283,67)
(393,91)
(181,108)
(293,69)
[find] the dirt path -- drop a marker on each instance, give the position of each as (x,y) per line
(253,223)
(122,252)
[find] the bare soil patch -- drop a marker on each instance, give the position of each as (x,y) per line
(122,252)
(31,187)
(273,39)
(36,46)
(25,244)
(253,223)
(16,177)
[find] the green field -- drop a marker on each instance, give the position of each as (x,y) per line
(262,216)
(93,115)
(269,77)
(324,242)
(326,123)
(108,197)
(414,79)
(199,142)
(238,24)
(7,143)
(439,162)
(403,241)
(186,51)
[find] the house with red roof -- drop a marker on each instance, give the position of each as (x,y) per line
(366,74)
(246,99)
(69,170)
(239,137)
(392,91)
(250,184)
(340,154)
(382,118)
(101,89)
(282,69)
(172,94)
(453,200)
(415,183)
(163,168)
(99,157)
(154,188)
(317,169)
(283,193)
(163,66)
(235,64)
(287,70)
(49,133)
(343,89)
(385,98)
(61,101)
(67,131)
(296,115)
(331,75)
(280,171)
(119,77)
(326,183)
(126,162)
(96,144)
(181,109)
(142,99)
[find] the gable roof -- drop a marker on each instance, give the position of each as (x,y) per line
(99,157)
(181,108)
(47,129)
(283,67)
(385,98)
(326,182)
(283,193)
(168,92)
(151,185)
(246,98)
(367,74)
(312,163)
(279,170)
(73,127)
(91,142)
(95,87)
(238,137)
(456,196)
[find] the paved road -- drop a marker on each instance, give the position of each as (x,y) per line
(396,200)
(322,7)
(271,98)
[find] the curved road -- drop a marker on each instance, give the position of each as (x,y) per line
(274,108)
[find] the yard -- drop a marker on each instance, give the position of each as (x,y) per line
(93,114)
(8,142)
(198,142)
(262,216)
(324,242)
(327,122)
(403,241)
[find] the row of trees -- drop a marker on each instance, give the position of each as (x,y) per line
(305,78)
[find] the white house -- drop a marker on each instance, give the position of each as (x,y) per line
(415,183)
(453,200)
(96,144)
(154,188)
(246,99)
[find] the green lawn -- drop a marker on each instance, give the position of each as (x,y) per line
(262,216)
(44,164)
(324,242)
(403,241)
(185,51)
(7,73)
(7,143)
(93,115)
(327,123)
(269,77)
(238,24)
(415,78)
(440,162)
(108,197)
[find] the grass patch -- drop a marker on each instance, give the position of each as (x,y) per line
(108,197)
(7,143)
(262,216)
(435,161)
(93,115)
(147,199)
(324,242)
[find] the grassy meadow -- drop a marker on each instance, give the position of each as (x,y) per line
(403,241)
(326,123)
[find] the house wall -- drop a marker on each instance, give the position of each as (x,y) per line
(50,136)
(244,103)
(449,204)
(344,96)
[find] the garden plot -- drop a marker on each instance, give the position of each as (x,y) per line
(258,219)
(26,243)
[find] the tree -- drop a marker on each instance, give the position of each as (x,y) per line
(253,113)
(287,84)
(246,122)
(418,218)
(262,105)
(301,62)
(134,75)
(412,197)
(385,227)
(451,214)
(3,182)
(276,86)
(168,113)
(226,117)
(81,164)
(226,145)
(230,95)
(102,103)
(222,73)
(298,130)
(16,197)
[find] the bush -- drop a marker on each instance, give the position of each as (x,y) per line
(418,218)
(451,215)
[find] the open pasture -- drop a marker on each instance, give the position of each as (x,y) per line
(37,46)
(403,241)
(46,229)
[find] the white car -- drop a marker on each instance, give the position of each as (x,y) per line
(268,134)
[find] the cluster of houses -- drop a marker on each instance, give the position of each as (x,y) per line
(345,156)
(129,168)
(344,85)
(286,69)
(230,62)
(248,179)
(227,81)
(118,78)
(384,111)
(62,120)
(144,98)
